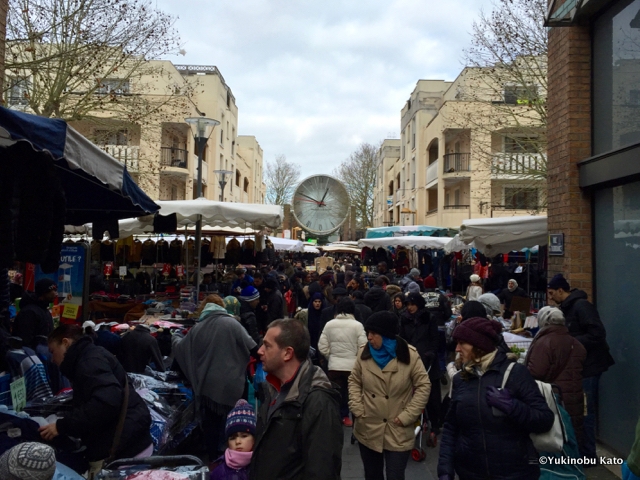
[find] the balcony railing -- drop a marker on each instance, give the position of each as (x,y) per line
(456,207)
(432,172)
(457,162)
(125,154)
(173,157)
(518,164)
(432,211)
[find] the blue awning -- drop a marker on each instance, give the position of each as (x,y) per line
(409,230)
(96,186)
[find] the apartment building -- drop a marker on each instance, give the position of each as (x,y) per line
(388,166)
(463,154)
(160,152)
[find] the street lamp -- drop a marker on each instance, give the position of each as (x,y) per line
(202,128)
(222,175)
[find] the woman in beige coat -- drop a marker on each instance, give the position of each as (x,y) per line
(388,389)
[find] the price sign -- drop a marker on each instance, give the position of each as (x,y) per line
(122,271)
(71,311)
(18,394)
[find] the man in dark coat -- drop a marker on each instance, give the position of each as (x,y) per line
(34,318)
(362,310)
(299,430)
(507,294)
(329,313)
(139,348)
(377,298)
(274,301)
(584,324)
(249,299)
(419,329)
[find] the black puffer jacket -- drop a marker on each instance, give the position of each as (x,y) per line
(479,445)
(377,299)
(34,319)
(98,391)
(138,349)
(421,330)
(584,324)
(301,438)
(249,321)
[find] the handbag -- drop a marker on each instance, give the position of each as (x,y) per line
(553,440)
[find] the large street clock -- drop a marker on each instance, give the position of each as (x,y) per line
(321,204)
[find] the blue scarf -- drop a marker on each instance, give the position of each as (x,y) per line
(386,353)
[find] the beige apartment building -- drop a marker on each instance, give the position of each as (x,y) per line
(464,153)
(160,153)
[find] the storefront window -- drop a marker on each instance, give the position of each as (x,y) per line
(617,263)
(616,70)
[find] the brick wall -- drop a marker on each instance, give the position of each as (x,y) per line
(569,136)
(4,7)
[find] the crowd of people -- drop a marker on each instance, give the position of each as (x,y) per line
(337,350)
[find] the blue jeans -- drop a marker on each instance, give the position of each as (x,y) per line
(590,387)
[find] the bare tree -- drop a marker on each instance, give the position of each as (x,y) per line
(74,58)
(358,173)
(281,177)
(503,100)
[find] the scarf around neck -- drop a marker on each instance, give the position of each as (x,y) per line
(479,366)
(386,353)
(237,460)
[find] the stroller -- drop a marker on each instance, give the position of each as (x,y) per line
(156,468)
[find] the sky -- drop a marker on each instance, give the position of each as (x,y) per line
(315,79)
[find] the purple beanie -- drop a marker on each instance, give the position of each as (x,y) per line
(479,332)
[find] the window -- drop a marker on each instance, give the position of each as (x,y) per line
(222,137)
(113,86)
(110,137)
(456,196)
(18,91)
(516,198)
(520,144)
(520,94)
(446,199)
(246,185)
(238,177)
(227,130)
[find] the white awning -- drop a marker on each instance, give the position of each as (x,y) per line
(492,236)
(407,241)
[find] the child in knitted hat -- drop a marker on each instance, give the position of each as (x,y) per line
(240,430)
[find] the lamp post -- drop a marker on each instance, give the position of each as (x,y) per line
(222,181)
(202,128)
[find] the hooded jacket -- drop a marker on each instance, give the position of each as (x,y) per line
(98,391)
(138,349)
(34,319)
(477,444)
(377,299)
(340,341)
(249,321)
(301,437)
(378,396)
(584,324)
(556,357)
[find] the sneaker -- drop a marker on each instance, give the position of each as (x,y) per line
(346,421)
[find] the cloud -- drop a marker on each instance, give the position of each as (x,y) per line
(313,80)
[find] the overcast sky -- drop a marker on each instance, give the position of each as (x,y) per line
(315,79)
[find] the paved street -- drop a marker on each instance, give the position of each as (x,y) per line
(426,470)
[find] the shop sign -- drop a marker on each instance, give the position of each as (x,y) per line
(72,279)
(556,244)
(18,394)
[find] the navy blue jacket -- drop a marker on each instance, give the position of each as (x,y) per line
(479,445)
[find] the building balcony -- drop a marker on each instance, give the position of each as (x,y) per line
(457,163)
(457,207)
(432,175)
(174,161)
(517,165)
(125,154)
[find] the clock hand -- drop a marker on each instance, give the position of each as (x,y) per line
(307,196)
(324,196)
(305,200)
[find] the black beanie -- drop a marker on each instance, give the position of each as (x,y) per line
(383,323)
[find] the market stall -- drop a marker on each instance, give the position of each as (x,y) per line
(406,241)
(492,236)
(399,231)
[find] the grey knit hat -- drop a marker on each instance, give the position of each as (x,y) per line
(28,461)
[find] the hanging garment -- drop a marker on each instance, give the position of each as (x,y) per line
(233,252)
(175,252)
(162,251)
(95,251)
(135,254)
(148,252)
(107,251)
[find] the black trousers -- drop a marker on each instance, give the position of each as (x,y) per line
(375,464)
(434,406)
(342,380)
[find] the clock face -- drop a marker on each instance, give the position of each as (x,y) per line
(321,204)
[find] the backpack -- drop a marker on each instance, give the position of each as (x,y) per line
(553,440)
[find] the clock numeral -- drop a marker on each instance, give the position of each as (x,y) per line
(309,224)
(333,225)
(320,227)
